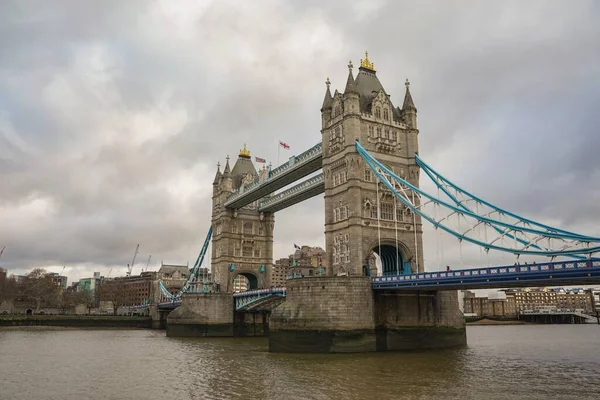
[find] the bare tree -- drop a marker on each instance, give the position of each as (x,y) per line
(38,288)
(113,291)
(71,299)
(8,287)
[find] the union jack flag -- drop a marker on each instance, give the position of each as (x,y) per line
(260,160)
(284,145)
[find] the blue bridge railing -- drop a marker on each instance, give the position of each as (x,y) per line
(516,275)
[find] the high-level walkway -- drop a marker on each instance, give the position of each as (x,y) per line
(295,169)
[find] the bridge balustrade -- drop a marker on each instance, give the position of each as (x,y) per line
(468,276)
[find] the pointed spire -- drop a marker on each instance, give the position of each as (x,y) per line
(328,99)
(227,169)
(350,82)
(218,174)
(408,101)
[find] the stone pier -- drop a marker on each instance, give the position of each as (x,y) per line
(213,315)
(202,315)
(343,314)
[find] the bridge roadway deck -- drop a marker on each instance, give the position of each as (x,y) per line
(296,168)
(546,274)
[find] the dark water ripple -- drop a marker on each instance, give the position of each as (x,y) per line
(501,362)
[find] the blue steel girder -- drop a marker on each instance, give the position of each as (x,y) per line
(295,169)
(169,305)
(548,274)
(294,195)
(244,299)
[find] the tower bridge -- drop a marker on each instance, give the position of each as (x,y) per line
(368,165)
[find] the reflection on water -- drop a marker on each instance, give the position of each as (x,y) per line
(500,362)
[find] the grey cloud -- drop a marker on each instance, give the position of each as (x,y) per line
(126,108)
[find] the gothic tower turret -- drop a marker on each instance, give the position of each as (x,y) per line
(242,241)
(362,218)
(409,111)
(326,107)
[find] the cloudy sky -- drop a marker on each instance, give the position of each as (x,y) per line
(114,114)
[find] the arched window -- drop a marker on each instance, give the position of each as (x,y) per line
(248,228)
(386,115)
(378,131)
(337,111)
(377,112)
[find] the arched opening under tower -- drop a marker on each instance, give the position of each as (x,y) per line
(390,260)
(244,281)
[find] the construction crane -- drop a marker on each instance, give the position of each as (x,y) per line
(148,263)
(130,266)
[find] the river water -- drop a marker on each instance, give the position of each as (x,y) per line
(500,362)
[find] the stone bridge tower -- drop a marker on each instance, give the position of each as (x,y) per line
(242,242)
(357,223)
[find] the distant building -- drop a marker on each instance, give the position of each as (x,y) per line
(278,273)
(306,261)
(513,302)
(58,280)
(89,284)
(560,298)
(240,283)
(173,276)
(495,304)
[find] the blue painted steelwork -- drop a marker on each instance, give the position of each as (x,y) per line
(245,299)
(433,174)
(169,305)
(379,170)
(251,192)
(193,275)
(566,273)
(303,191)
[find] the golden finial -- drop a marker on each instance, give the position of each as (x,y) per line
(366,63)
(244,152)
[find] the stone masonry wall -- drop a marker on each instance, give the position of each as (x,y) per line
(325,303)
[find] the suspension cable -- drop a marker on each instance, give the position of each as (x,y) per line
(396,229)
(440,234)
(437,236)
(415,229)
(379,228)
(462,265)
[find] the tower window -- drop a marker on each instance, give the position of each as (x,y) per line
(248,228)
(247,250)
(368,175)
(337,111)
(234,227)
(377,112)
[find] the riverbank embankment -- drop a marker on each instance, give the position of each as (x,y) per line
(76,321)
